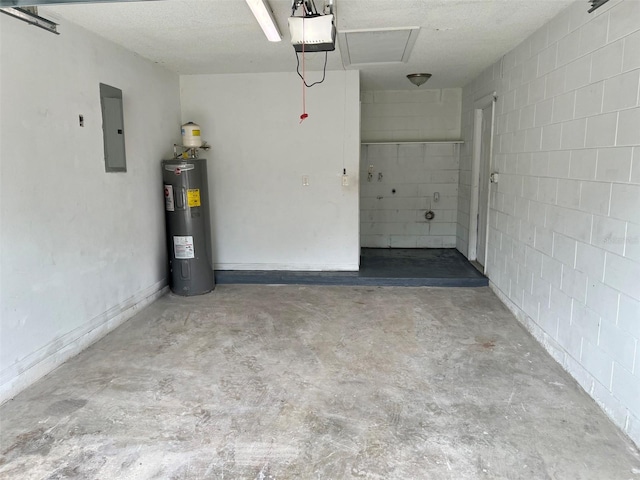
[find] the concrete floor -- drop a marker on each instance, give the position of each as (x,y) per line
(299,382)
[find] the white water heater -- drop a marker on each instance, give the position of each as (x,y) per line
(191,135)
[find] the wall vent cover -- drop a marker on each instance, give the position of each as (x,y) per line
(377,45)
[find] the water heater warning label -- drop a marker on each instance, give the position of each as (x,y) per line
(193,197)
(183,247)
(168,198)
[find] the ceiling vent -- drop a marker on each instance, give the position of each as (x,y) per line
(377,45)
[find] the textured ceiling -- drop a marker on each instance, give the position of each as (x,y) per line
(458,38)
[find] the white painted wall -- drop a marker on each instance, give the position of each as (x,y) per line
(263,218)
(80,249)
(416,172)
(411,115)
(564,243)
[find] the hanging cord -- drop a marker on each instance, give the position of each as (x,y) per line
(324,70)
(309,9)
(304,83)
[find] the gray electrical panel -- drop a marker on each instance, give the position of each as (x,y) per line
(115,159)
(188,226)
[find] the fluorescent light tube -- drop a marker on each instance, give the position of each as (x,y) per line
(262,12)
(31,18)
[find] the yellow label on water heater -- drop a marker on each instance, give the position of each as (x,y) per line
(195,133)
(193,197)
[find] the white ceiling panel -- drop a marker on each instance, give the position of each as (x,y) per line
(458,39)
(377,46)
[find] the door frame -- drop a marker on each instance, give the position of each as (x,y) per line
(479,105)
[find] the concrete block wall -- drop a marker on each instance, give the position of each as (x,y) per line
(564,241)
(405,115)
(404,183)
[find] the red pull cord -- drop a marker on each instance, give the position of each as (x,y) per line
(304,90)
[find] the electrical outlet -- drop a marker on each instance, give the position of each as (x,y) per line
(305,180)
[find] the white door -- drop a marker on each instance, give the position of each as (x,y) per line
(483,185)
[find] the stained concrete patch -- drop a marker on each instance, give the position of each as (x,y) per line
(259,382)
(34,442)
(66,406)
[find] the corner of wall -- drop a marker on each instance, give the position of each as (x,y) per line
(39,363)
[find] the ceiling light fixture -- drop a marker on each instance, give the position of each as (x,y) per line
(418,78)
(262,11)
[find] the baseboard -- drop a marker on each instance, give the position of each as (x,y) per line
(36,365)
(292,267)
